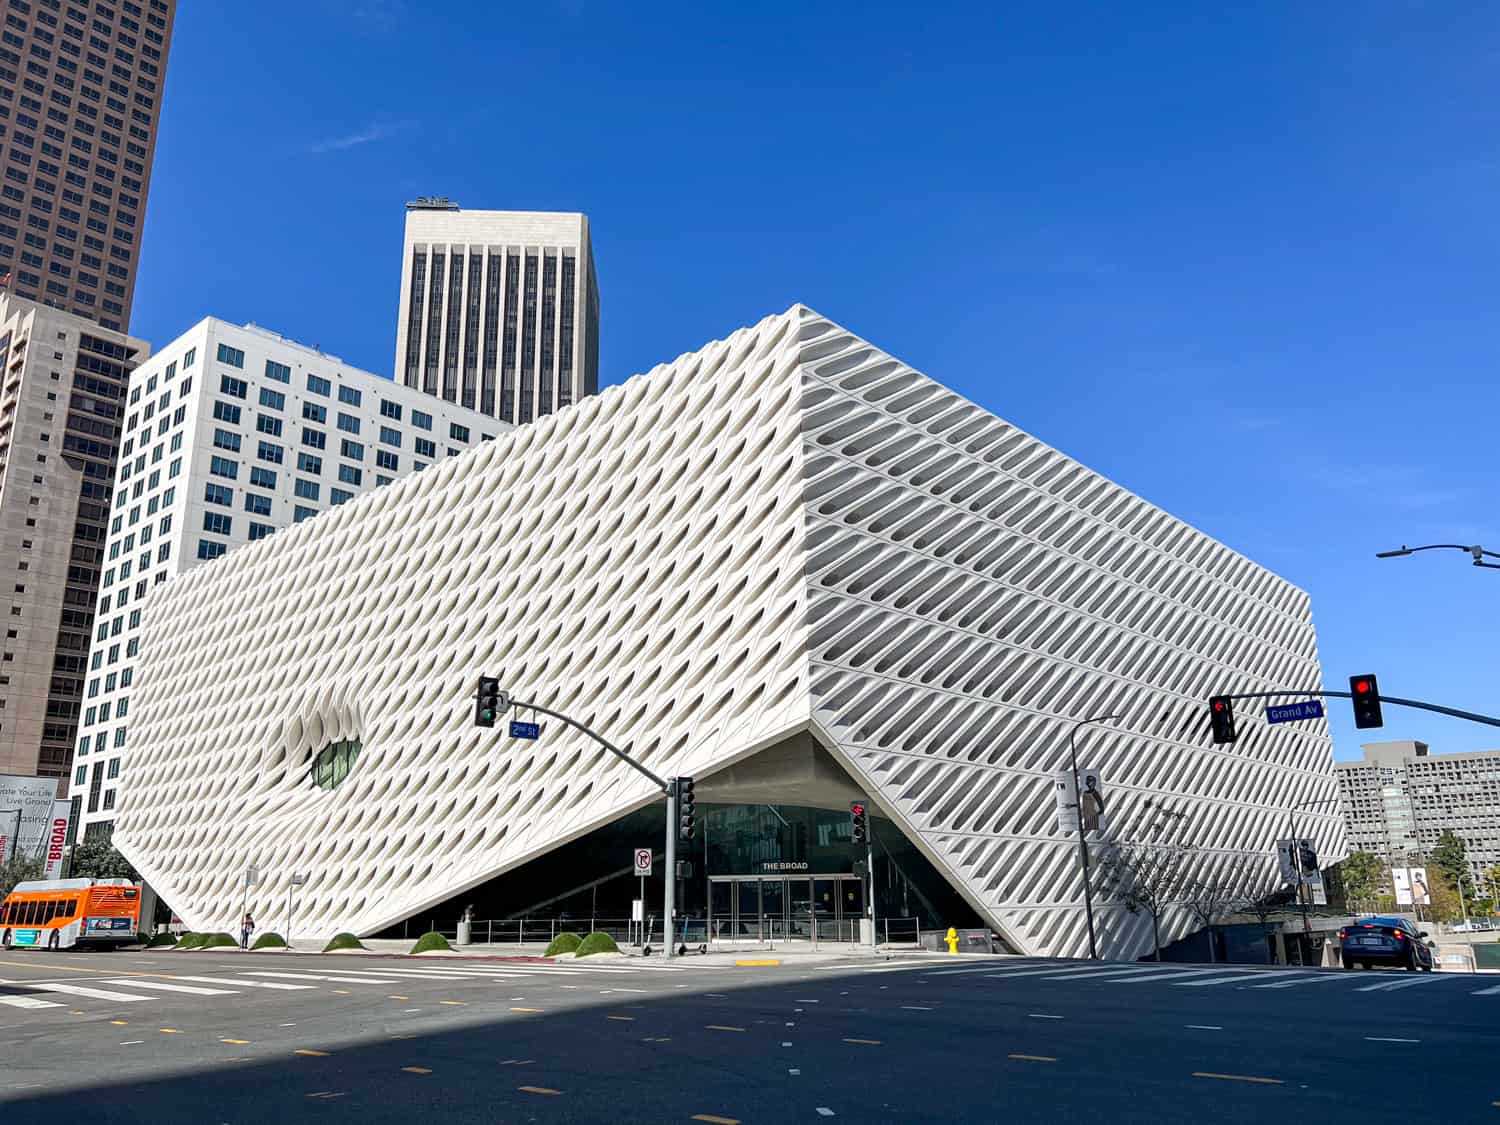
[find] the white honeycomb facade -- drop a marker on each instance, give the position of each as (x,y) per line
(787,531)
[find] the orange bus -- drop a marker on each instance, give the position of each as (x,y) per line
(63,913)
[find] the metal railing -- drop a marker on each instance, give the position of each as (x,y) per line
(739,932)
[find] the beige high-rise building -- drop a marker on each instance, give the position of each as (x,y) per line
(80,97)
(499,309)
(62,399)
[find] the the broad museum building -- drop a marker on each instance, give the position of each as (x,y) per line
(786,565)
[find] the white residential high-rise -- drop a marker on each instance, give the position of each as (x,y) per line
(499,310)
(232,433)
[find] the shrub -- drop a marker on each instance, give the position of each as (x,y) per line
(563,943)
(269,940)
(430,940)
(342,941)
(162,939)
(597,942)
(190,941)
(218,941)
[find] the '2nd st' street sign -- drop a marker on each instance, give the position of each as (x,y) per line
(1307,709)
(524,730)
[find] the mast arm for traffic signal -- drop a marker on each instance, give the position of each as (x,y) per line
(660,782)
(1472,716)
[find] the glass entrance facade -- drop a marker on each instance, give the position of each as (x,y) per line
(777,908)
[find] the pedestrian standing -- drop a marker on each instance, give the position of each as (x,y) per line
(247,927)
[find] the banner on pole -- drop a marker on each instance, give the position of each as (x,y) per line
(57,838)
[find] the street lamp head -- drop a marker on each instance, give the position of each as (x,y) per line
(1405,550)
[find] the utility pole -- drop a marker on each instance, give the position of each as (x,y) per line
(1083,844)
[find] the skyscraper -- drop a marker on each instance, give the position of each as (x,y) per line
(80,96)
(499,310)
(62,394)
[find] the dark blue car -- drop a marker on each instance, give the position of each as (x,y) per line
(1386,941)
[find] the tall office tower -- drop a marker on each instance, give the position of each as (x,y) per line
(232,433)
(499,309)
(61,399)
(80,96)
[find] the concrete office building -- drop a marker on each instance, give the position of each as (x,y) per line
(1399,799)
(499,310)
(232,433)
(80,99)
(787,565)
(60,408)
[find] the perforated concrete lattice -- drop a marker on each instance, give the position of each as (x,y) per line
(787,531)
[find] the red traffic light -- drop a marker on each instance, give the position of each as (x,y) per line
(1361,686)
(1218,705)
(857,809)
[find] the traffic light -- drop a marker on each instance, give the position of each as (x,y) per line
(487,702)
(687,817)
(859,821)
(1366,694)
(1221,717)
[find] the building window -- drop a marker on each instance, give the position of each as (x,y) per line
(227,412)
(207,549)
(314,438)
(348,423)
(307,489)
(350,475)
(349,396)
(387,460)
(457,432)
(272,400)
(232,356)
(260,531)
(420,420)
(307,463)
(319,386)
(234,388)
(257,504)
(224,439)
(389,409)
(300,513)
(338,496)
(334,763)
(390,436)
(425,448)
(312,412)
(217,523)
(224,467)
(262,478)
(265,424)
(218,494)
(278,371)
(353,450)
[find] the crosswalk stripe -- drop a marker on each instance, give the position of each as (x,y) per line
(1167,974)
(1405,982)
(1042,973)
(90,993)
(28,1002)
(1217,980)
(252,983)
(138,982)
(1486,991)
(1295,982)
(1106,974)
(318,976)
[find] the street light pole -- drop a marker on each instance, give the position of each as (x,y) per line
(1083,845)
(1479,553)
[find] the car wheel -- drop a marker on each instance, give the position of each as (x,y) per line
(1411,963)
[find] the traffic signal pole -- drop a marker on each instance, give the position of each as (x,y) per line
(669,882)
(1472,716)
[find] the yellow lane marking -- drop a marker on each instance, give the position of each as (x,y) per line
(1239,1078)
(398,997)
(526,1009)
(169,1031)
(454,1003)
(120,1023)
(341,992)
(416,1070)
(76,1012)
(716,1120)
(871,1042)
(70,969)
(627,1019)
(236,1042)
(537,1090)
(305,1051)
(721,1027)
(747,962)
(1033,1058)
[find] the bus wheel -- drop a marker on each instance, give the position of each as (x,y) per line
(52,940)
(5,941)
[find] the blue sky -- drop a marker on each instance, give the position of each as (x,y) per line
(1241,259)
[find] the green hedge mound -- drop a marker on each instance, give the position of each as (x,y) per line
(218,941)
(190,941)
(563,943)
(269,940)
(161,940)
(596,942)
(430,941)
(343,941)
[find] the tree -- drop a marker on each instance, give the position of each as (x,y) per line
(1491,889)
(1446,906)
(99,859)
(1451,857)
(1147,877)
(17,870)
(1211,900)
(1359,874)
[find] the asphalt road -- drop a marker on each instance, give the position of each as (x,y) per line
(113,1036)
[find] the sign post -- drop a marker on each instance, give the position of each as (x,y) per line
(643,871)
(295,882)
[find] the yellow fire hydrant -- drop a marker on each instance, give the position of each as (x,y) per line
(952,940)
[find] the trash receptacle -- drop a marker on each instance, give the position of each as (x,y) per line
(465,927)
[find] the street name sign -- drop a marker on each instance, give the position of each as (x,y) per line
(524,730)
(1307,709)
